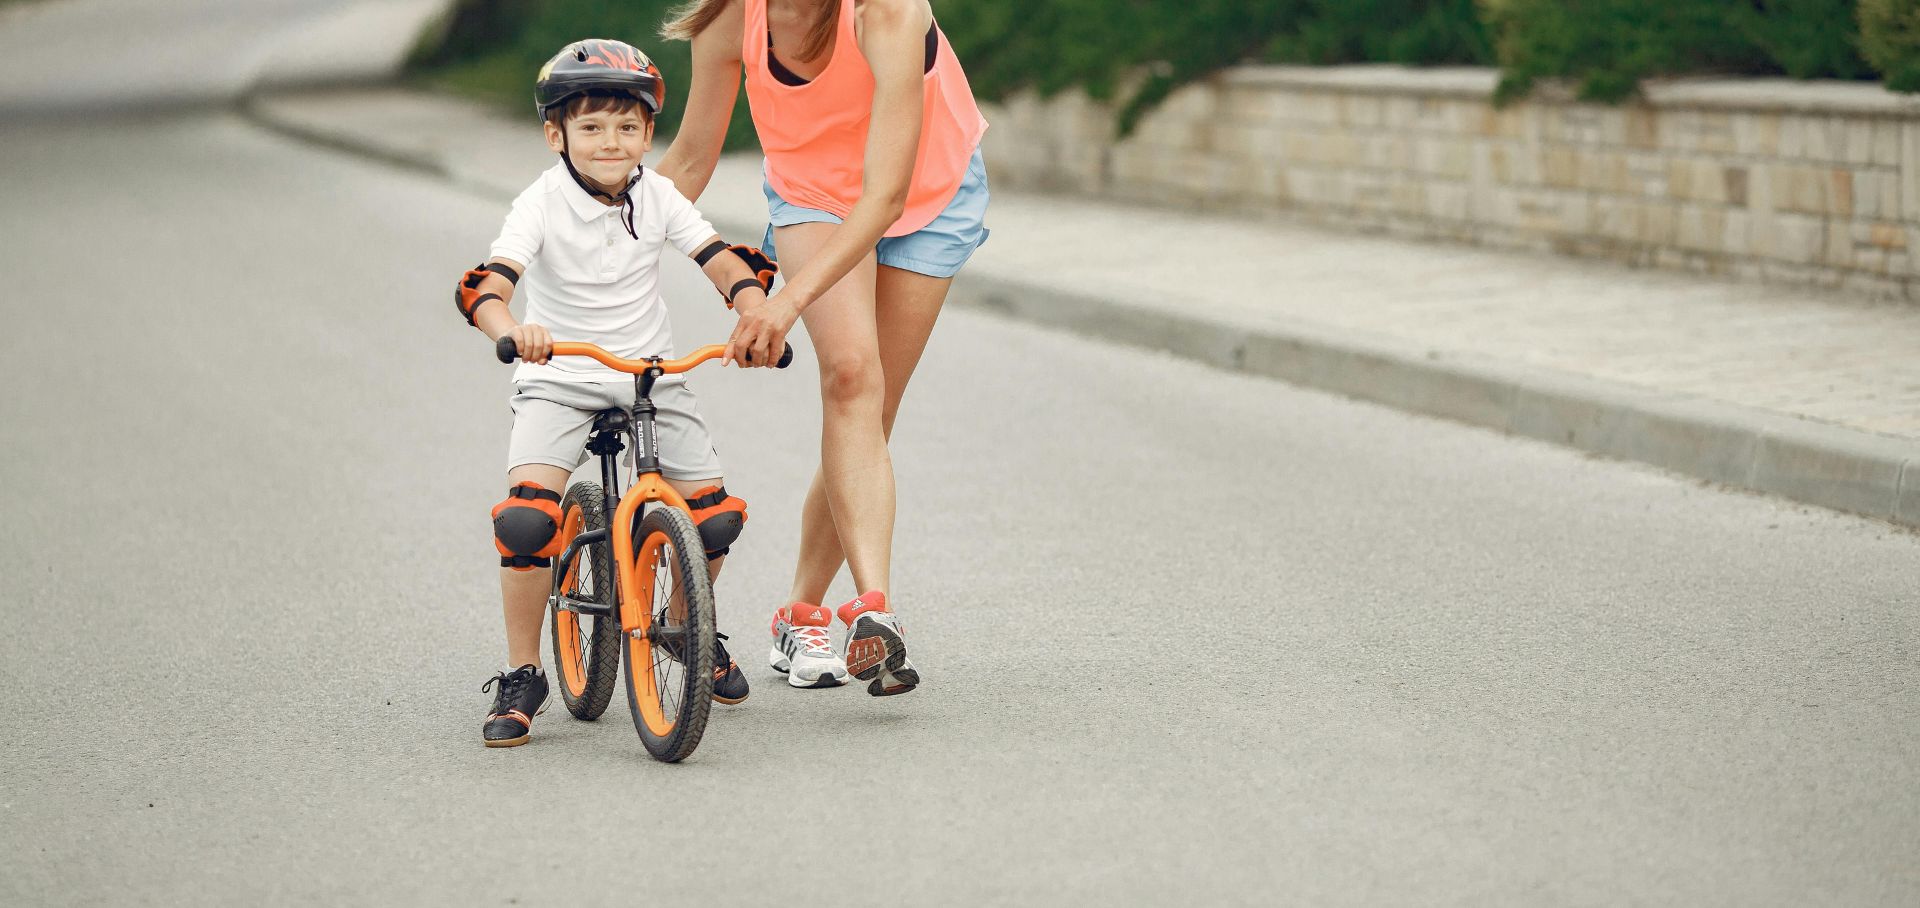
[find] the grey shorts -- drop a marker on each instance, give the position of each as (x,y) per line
(551,420)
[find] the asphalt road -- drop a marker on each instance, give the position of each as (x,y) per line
(1188,638)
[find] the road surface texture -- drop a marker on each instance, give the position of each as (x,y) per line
(1188,637)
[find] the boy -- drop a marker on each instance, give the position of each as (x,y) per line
(583,244)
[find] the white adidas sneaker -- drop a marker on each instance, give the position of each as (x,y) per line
(877,646)
(802,649)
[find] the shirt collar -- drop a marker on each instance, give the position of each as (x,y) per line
(584,205)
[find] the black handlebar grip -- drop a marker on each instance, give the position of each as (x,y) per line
(506,349)
(786,357)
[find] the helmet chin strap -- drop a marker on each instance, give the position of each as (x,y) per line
(622,198)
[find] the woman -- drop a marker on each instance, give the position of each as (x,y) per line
(876,195)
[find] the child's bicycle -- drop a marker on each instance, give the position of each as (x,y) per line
(640,579)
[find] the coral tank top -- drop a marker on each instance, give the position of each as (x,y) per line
(815,135)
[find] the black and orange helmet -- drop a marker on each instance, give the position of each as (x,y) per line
(599,64)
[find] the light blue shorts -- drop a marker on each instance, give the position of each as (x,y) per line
(936,250)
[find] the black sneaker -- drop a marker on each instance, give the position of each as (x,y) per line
(522,695)
(729,682)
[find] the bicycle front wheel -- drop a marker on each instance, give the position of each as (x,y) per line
(586,649)
(667,641)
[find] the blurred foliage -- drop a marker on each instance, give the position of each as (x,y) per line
(492,49)
(1607,46)
(1135,53)
(1890,39)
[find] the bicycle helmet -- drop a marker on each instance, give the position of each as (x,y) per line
(599,64)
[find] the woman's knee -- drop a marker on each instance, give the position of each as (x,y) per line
(853,381)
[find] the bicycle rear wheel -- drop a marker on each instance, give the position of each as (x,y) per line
(667,641)
(586,649)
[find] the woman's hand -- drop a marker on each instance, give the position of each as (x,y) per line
(533,341)
(761,333)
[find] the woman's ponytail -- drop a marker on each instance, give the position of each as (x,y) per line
(693,18)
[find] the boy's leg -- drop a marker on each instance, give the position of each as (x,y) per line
(691,466)
(550,424)
(523,594)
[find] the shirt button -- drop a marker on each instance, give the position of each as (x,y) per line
(609,241)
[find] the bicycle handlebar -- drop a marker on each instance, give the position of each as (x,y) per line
(508,351)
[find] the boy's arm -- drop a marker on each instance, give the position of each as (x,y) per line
(745,290)
(484,295)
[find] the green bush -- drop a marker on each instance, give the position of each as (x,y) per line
(1808,39)
(492,49)
(1097,45)
(1607,46)
(1890,37)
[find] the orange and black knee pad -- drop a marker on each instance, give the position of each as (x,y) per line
(720,518)
(526,527)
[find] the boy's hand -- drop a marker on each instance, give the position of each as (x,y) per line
(761,333)
(535,344)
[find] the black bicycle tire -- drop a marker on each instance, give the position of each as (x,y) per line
(696,700)
(600,656)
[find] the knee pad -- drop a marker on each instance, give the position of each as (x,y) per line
(720,518)
(526,527)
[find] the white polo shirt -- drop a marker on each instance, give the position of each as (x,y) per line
(586,279)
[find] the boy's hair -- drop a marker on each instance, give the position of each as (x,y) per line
(619,102)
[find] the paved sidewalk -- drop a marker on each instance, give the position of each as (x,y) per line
(1792,392)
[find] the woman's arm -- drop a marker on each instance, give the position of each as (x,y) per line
(892,35)
(696,147)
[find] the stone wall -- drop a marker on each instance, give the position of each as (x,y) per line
(1812,183)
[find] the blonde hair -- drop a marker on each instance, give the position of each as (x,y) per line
(693,18)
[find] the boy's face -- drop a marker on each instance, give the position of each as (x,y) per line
(604,146)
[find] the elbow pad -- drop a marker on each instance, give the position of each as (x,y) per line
(467,296)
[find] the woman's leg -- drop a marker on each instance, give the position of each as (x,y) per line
(906,306)
(856,473)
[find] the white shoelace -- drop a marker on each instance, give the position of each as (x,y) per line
(815,640)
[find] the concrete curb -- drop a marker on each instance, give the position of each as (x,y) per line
(1811,462)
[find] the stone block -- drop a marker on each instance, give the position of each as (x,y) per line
(1887,236)
(1793,136)
(1716,132)
(1760,188)
(1886,142)
(1796,238)
(1446,156)
(1733,235)
(1606,171)
(1910,170)
(1800,188)
(1647,174)
(1641,127)
(1541,211)
(1449,202)
(1660,223)
(1859,139)
(1508,122)
(1432,115)
(1824,138)
(1837,248)
(1362,110)
(1840,192)
(1757,134)
(1733,182)
(1702,228)
(1517,165)
(1561,164)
